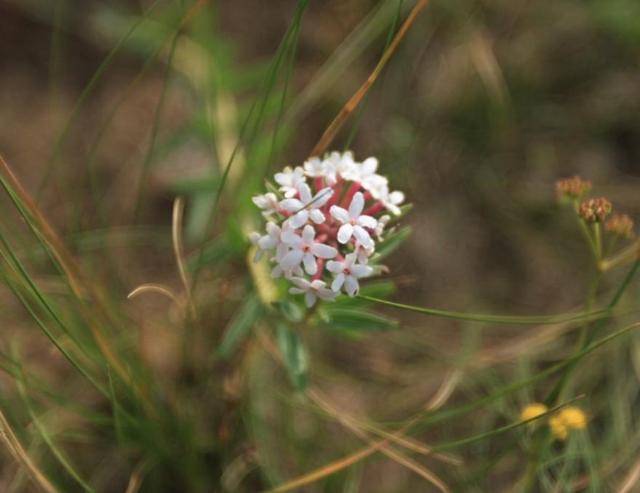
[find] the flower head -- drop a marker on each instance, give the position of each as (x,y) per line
(595,210)
(533,411)
(620,225)
(324,222)
(572,188)
(567,419)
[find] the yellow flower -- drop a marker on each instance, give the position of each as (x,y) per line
(574,417)
(569,418)
(558,428)
(533,411)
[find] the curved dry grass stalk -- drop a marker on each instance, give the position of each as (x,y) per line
(20,455)
(178,250)
(155,288)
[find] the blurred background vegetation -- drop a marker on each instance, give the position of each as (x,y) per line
(111,109)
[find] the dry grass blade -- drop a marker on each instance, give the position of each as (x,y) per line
(631,480)
(393,454)
(43,229)
(327,470)
(333,128)
(437,401)
(135,481)
(359,427)
(178,249)
(21,456)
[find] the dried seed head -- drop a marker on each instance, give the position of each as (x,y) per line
(572,188)
(621,225)
(595,210)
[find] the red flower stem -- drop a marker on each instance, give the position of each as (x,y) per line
(353,189)
(374,209)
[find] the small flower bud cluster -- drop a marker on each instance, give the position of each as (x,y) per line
(595,210)
(620,225)
(561,423)
(323,222)
(572,188)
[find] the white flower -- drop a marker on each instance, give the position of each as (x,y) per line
(318,168)
(347,274)
(363,172)
(353,222)
(343,164)
(392,201)
(363,253)
(305,249)
(270,241)
(307,206)
(382,223)
(376,185)
(312,290)
(268,203)
(290,180)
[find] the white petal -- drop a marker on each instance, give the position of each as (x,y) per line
(326,294)
(290,237)
(362,236)
(360,270)
(291,259)
(369,166)
(301,283)
(260,201)
(351,285)
(367,222)
(356,206)
(254,237)
(296,291)
(316,216)
(299,219)
(281,251)
(322,197)
(310,265)
(308,233)
(345,232)
(339,213)
(396,198)
(323,251)
(305,193)
(310,299)
(291,205)
(267,242)
(335,267)
(338,282)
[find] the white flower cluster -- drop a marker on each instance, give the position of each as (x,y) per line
(323,224)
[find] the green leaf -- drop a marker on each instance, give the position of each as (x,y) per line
(290,310)
(294,356)
(345,319)
(240,326)
(392,242)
